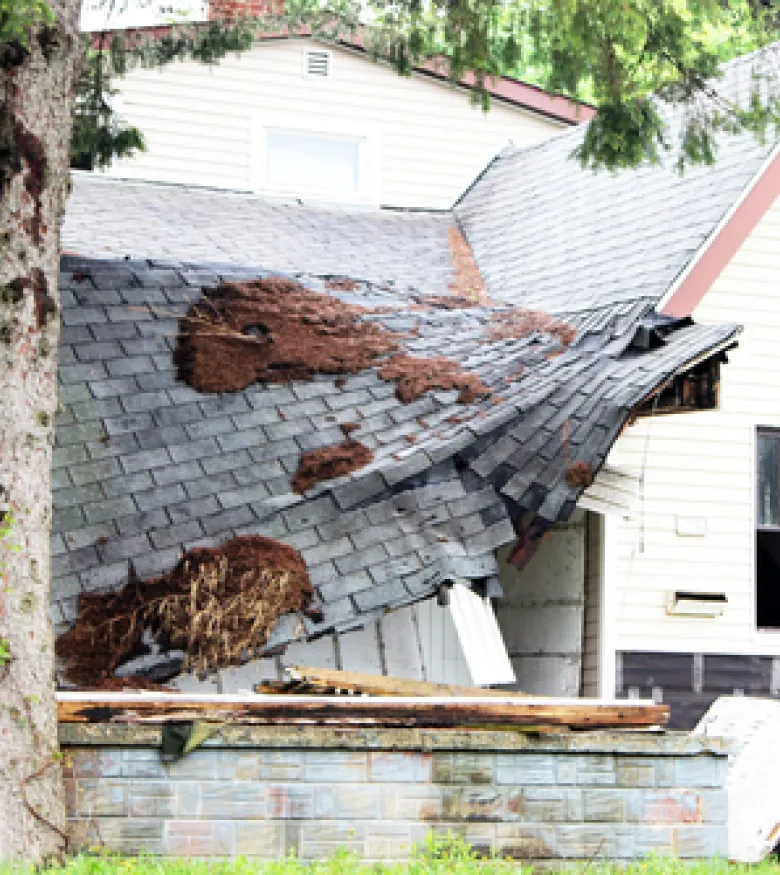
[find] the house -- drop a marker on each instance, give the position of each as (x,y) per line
(559,306)
(298,119)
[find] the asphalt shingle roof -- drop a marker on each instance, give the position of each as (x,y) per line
(111,218)
(146,466)
(548,235)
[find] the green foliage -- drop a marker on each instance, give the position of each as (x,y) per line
(629,59)
(99,133)
(5,653)
(17,17)
(438,856)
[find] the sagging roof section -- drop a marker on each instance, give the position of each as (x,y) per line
(146,465)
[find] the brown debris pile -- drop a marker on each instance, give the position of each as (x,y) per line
(340,284)
(218,605)
(466,279)
(579,475)
(329,462)
(415,376)
(518,323)
(449,302)
(273,330)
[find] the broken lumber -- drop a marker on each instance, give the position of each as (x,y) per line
(440,712)
(304,679)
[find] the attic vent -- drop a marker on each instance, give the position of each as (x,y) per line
(316,62)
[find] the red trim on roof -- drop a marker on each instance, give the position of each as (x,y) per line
(522,94)
(726,243)
(504,88)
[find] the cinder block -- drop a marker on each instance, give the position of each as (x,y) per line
(635,771)
(522,769)
(469,804)
(700,771)
(347,801)
(544,805)
(236,801)
(322,840)
(605,806)
(408,767)
(334,767)
(700,842)
(262,840)
(101,797)
(292,802)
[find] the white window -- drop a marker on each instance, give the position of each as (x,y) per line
(300,163)
(315,158)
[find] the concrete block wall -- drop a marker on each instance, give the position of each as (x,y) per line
(264,792)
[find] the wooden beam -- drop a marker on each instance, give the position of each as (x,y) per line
(429,711)
(324,679)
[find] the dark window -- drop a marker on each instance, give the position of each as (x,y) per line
(768,531)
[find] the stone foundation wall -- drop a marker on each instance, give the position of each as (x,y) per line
(263,792)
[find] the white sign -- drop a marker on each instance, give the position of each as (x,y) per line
(100,15)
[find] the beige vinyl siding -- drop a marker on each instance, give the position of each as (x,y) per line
(204,125)
(591,639)
(702,465)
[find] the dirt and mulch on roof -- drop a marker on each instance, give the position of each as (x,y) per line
(218,605)
(274,330)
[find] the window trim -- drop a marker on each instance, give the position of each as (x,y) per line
(762,633)
(369,146)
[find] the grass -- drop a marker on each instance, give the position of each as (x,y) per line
(439,855)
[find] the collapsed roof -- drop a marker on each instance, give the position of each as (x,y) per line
(147,465)
(400,466)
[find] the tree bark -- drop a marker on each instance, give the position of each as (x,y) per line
(36,105)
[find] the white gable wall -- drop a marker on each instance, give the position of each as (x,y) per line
(701,466)
(423,141)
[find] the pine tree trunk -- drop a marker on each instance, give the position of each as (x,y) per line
(36,103)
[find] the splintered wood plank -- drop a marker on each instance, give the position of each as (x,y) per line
(378,685)
(431,711)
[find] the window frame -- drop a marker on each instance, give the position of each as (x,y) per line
(774,432)
(369,146)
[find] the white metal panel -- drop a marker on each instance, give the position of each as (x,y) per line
(441,648)
(480,638)
(401,645)
(753,782)
(360,650)
(320,653)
